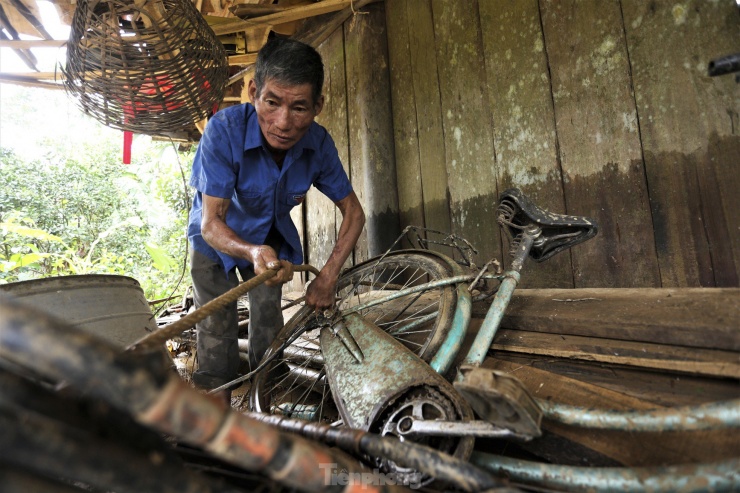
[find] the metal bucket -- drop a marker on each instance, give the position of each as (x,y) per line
(111,307)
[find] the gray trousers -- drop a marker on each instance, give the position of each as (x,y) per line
(217,350)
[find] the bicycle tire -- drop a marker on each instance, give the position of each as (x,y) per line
(302,366)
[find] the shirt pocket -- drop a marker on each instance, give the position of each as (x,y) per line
(254,200)
(291,199)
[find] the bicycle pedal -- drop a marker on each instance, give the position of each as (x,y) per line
(501,399)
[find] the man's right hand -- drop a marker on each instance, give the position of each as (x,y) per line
(264,258)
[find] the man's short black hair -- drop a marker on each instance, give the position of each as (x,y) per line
(288,61)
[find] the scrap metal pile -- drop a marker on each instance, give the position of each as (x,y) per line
(382,393)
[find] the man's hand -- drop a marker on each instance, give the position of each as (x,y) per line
(264,258)
(321,292)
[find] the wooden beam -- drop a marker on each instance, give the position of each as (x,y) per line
(316,30)
(631,449)
(245,59)
(287,15)
(693,317)
(26,43)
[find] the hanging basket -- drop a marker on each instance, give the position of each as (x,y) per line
(147,66)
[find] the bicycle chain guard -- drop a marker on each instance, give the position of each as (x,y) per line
(501,399)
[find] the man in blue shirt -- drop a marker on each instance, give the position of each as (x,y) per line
(254,163)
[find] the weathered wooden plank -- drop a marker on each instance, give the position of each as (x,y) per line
(466,121)
(693,317)
(663,389)
(403,102)
(425,84)
(631,449)
(287,15)
(599,142)
(320,211)
(692,361)
(689,125)
(371,128)
(524,123)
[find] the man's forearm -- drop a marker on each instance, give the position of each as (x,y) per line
(353,220)
(223,239)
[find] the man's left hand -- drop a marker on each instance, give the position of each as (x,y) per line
(321,292)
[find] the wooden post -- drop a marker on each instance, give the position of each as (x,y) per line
(466,122)
(372,160)
(405,125)
(321,224)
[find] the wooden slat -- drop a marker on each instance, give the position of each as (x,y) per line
(466,121)
(403,104)
(692,317)
(689,124)
(598,135)
(524,124)
(631,449)
(692,361)
(371,128)
(424,67)
(287,15)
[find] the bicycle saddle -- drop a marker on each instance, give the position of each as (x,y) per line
(552,233)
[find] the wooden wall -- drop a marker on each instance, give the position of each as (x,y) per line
(593,107)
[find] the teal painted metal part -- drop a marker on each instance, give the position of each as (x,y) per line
(447,352)
(711,477)
(714,415)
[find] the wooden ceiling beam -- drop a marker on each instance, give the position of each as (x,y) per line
(37,43)
(288,15)
(22,80)
(244,59)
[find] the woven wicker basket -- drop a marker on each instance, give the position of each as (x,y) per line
(147,66)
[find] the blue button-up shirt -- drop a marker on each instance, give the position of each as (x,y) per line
(232,162)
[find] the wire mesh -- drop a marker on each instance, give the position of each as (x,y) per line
(147,66)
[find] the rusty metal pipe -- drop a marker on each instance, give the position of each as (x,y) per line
(159,399)
(710,416)
(441,466)
(715,477)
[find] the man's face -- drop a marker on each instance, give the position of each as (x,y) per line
(284,112)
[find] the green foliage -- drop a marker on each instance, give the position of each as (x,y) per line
(78,210)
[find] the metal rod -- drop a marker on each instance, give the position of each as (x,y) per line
(715,477)
(491,323)
(414,289)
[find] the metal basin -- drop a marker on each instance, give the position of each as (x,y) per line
(111,307)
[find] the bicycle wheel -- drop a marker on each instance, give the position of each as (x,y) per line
(294,384)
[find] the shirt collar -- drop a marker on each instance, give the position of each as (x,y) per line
(253,134)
